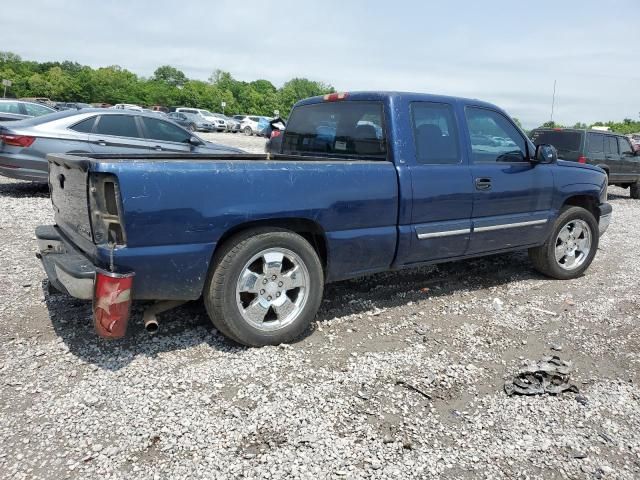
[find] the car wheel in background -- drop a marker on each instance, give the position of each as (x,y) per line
(265,287)
(635,190)
(192,127)
(248,131)
(570,248)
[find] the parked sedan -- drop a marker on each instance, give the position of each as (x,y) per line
(191,122)
(25,144)
(11,110)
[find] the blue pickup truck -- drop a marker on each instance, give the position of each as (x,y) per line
(361,183)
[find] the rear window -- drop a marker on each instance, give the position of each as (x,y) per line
(563,140)
(337,128)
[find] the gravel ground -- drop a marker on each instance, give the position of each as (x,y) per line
(186,403)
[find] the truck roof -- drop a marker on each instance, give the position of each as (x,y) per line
(395,95)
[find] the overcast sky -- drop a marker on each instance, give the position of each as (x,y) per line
(506,52)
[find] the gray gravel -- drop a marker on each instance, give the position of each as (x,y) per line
(346,401)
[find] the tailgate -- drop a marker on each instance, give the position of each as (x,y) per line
(68,183)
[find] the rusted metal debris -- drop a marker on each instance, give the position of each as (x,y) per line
(549,375)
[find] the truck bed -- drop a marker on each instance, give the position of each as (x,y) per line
(178,207)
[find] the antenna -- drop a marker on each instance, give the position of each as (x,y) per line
(553,100)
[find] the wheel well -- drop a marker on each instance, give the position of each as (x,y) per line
(308,229)
(585,201)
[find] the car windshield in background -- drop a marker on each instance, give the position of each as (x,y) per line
(336,129)
(563,140)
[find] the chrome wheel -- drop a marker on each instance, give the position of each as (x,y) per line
(573,244)
(272,289)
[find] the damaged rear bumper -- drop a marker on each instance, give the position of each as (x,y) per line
(69,271)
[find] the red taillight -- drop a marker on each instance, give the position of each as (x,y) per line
(582,159)
(557,129)
(111,303)
(335,97)
(275,133)
(18,140)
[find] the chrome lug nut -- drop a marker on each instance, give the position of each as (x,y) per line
(261,292)
(278,295)
(273,277)
(280,284)
(269,298)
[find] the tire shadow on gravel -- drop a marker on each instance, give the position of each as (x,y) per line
(189,326)
(24,189)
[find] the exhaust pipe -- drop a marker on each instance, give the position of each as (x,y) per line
(149,317)
(151,325)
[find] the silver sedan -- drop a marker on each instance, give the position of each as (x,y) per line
(25,144)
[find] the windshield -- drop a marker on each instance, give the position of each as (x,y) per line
(206,113)
(563,140)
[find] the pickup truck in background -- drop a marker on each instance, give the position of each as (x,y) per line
(362,183)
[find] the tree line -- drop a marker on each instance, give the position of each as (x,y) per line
(168,86)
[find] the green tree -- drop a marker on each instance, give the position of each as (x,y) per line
(298,89)
(169,75)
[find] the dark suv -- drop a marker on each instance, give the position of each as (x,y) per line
(610,151)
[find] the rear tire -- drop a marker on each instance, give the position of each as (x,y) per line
(192,127)
(571,246)
(635,190)
(265,287)
(248,131)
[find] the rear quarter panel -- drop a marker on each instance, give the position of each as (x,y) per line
(176,211)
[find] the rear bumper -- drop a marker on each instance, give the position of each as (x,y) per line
(67,268)
(606,211)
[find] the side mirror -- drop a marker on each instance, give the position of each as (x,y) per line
(546,154)
(195,142)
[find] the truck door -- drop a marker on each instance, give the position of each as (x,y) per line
(441,184)
(512,196)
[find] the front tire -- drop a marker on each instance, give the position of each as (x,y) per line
(265,287)
(248,131)
(571,246)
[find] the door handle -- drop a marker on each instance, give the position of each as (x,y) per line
(483,184)
(101,142)
(158,148)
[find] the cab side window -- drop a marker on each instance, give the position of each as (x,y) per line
(435,133)
(493,137)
